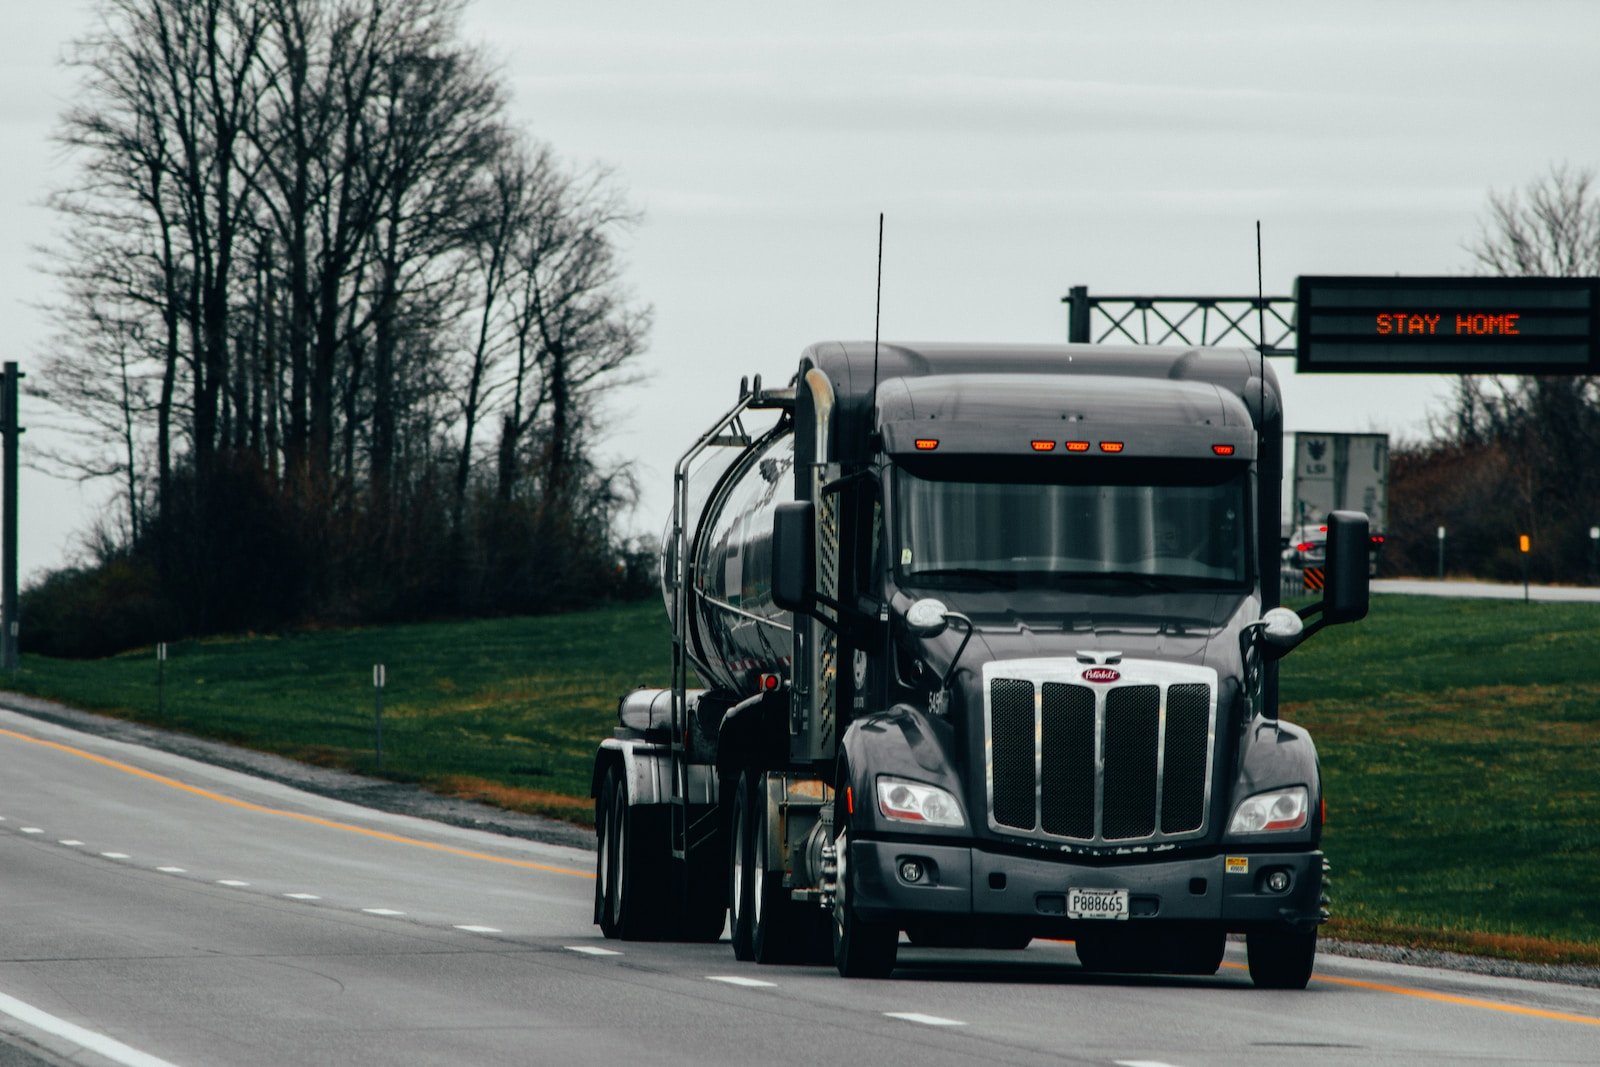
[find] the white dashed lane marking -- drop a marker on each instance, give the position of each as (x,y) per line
(115,855)
(591,950)
(479,929)
(1142,1063)
(70,843)
(740,980)
(172,870)
(234,882)
(302,896)
(382,911)
(32,830)
(925,1020)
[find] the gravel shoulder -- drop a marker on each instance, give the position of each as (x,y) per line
(405,799)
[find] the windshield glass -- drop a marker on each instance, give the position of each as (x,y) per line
(1171,524)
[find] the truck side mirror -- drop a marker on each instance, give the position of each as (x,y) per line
(1347,581)
(794,556)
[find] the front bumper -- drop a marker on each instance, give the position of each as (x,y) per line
(973,883)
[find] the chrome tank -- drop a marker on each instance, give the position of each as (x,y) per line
(735,633)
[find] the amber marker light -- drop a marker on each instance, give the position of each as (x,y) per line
(1077,446)
(1043,446)
(1111,446)
(927,444)
(1222,450)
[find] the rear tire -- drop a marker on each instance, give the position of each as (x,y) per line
(1281,957)
(741,874)
(861,948)
(634,887)
(605,892)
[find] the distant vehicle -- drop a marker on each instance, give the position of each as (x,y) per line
(1307,547)
(984,654)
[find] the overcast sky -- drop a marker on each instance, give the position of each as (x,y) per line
(1016,149)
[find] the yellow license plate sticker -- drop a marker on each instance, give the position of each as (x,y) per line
(1238,864)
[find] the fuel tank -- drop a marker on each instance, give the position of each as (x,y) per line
(735,632)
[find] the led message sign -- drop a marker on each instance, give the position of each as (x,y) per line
(1448,325)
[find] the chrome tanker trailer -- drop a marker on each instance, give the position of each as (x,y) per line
(979,644)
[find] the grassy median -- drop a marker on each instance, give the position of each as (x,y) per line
(1458,740)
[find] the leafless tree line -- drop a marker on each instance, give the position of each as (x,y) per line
(1514,454)
(306,259)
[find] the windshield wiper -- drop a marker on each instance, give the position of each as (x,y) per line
(998,579)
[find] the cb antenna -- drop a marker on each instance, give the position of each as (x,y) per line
(877,316)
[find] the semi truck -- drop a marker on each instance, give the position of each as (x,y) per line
(974,644)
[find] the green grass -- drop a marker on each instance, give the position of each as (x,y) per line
(505,710)
(1458,743)
(1458,740)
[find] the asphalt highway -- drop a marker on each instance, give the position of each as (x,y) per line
(155,910)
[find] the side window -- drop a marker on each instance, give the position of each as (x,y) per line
(869,560)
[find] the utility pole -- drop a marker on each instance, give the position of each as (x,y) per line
(10,386)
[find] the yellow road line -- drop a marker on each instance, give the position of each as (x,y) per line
(299,817)
(1448,998)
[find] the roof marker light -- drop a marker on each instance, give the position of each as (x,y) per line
(1043,446)
(927,444)
(1222,450)
(1111,446)
(1077,446)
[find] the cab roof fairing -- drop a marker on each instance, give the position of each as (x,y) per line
(1003,414)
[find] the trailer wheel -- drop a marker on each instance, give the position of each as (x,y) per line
(861,949)
(741,873)
(633,887)
(605,879)
(1281,957)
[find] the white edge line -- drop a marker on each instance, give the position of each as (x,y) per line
(110,1048)
(740,980)
(925,1020)
(592,950)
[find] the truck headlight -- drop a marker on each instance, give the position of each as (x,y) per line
(906,801)
(1281,809)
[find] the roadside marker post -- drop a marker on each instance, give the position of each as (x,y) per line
(161,678)
(1523,544)
(1441,553)
(1594,544)
(377,709)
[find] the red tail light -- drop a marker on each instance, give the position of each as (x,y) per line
(1043,446)
(1111,446)
(1222,450)
(927,444)
(1077,446)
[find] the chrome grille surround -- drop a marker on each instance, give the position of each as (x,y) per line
(1160,712)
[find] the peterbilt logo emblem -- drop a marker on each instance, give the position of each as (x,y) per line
(1101,674)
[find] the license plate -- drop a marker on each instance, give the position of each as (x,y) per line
(1097,903)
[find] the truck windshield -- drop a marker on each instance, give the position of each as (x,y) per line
(1093,524)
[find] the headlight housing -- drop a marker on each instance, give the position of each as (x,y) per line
(904,801)
(1281,809)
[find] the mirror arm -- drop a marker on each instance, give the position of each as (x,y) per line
(951,670)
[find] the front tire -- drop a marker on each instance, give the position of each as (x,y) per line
(861,948)
(1281,957)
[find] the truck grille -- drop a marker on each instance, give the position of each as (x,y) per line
(1097,763)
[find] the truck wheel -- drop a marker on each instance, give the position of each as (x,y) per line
(861,949)
(637,880)
(1281,957)
(605,888)
(741,873)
